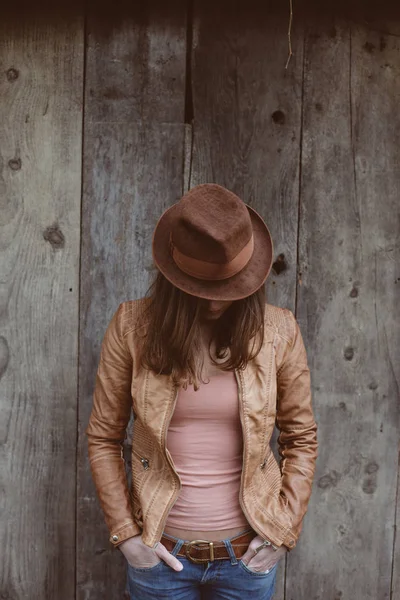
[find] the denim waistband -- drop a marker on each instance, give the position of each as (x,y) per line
(228,543)
(172,537)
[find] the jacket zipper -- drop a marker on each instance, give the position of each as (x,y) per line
(145,461)
(241,502)
(171,502)
(266,457)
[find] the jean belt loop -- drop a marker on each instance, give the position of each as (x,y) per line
(231,551)
(177,547)
(178,543)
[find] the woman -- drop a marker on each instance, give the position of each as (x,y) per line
(208,368)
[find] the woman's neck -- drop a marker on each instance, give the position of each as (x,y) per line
(207,329)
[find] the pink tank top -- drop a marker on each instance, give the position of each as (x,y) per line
(206,443)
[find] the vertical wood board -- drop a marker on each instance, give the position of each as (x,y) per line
(133,170)
(41,66)
(246,126)
(247,114)
(136,56)
(347,308)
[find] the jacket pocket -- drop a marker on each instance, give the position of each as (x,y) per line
(141,470)
(272,477)
(271,465)
(268,461)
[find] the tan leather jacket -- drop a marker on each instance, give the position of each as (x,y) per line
(274,386)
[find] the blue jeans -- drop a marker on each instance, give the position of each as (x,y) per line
(220,579)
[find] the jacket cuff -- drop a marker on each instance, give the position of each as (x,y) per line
(289,541)
(120,534)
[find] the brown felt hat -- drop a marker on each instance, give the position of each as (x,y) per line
(212,245)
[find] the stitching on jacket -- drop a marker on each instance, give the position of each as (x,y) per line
(294,429)
(284,325)
(263,510)
(165,470)
(289,323)
(144,477)
(151,504)
(268,398)
(146,395)
(132,329)
(156,492)
(281,320)
(132,309)
(124,526)
(120,315)
(244,403)
(280,369)
(302,427)
(273,315)
(270,326)
(289,341)
(284,337)
(252,492)
(284,529)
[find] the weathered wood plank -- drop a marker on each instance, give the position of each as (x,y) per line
(348,308)
(380,16)
(246,127)
(41,85)
(375,84)
(395,580)
(134,163)
(187,159)
(136,61)
(247,110)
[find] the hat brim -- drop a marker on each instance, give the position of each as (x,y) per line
(239,286)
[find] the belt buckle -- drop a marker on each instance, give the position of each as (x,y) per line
(200,560)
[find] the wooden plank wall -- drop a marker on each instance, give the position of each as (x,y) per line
(107,114)
(133,157)
(246,131)
(41,66)
(348,269)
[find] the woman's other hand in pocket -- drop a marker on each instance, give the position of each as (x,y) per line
(141,556)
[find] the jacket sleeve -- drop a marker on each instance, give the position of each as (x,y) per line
(106,432)
(297,441)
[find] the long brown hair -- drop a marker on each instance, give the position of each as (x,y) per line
(171,343)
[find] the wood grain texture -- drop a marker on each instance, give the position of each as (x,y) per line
(247,112)
(348,301)
(246,125)
(375,97)
(134,164)
(157,122)
(395,575)
(136,55)
(41,65)
(380,16)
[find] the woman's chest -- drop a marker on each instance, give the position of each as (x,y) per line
(212,403)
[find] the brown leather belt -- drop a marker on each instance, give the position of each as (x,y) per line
(201,551)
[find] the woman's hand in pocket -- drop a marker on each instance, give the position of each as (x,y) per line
(264,559)
(141,556)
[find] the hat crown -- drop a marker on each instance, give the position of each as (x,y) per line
(213,224)
(211,244)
